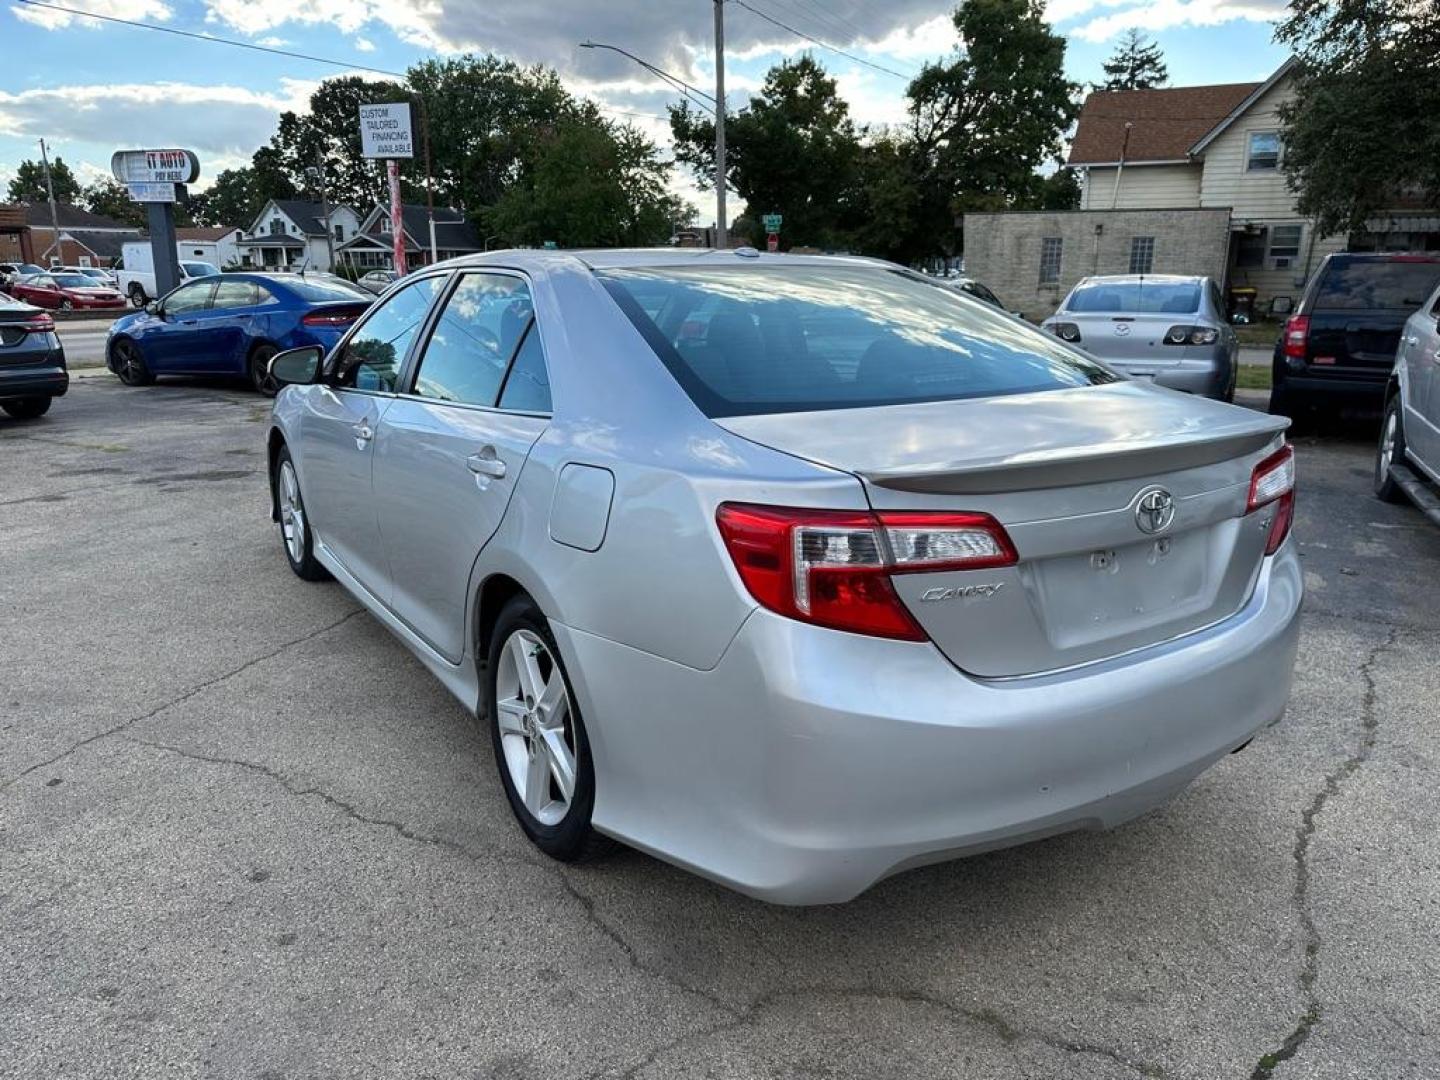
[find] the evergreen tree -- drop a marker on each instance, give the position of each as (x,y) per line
(1137,64)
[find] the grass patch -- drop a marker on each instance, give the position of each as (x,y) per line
(1258,335)
(1250,377)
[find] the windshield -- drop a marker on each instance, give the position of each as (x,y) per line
(73,281)
(321,290)
(199,269)
(772,339)
(1136,297)
(1399,284)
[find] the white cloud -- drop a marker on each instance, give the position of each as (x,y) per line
(51,19)
(364,45)
(1167,14)
(272,42)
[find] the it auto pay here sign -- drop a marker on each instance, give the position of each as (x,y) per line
(385,131)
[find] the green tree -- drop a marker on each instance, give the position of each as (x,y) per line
(1136,64)
(793,151)
(28,183)
(1362,133)
(109,197)
(238,195)
(990,117)
(590,184)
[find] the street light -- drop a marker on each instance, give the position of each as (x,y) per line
(716,106)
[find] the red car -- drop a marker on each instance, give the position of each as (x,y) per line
(65,291)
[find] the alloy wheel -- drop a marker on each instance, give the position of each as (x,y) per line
(129,366)
(292,513)
(537,731)
(1387,444)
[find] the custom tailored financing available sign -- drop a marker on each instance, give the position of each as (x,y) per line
(155,167)
(385,131)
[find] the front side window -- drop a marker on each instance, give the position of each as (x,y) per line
(747,340)
(1142,255)
(474,338)
(374,353)
(189,298)
(1050,253)
(1262,151)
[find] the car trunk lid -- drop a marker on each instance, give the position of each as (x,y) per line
(1134,344)
(1067,473)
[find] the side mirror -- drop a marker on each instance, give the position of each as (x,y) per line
(153,308)
(297,367)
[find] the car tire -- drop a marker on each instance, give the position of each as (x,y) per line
(539,735)
(137,295)
(296,536)
(67,304)
(28,408)
(128,362)
(1390,451)
(260,379)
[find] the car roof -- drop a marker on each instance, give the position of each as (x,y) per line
(542,259)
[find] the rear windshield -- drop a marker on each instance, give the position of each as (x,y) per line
(1371,283)
(73,281)
(321,290)
(200,269)
(1137,297)
(768,339)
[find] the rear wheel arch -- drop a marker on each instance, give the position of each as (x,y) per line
(494,593)
(274,445)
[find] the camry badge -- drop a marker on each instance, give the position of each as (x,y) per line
(1154,510)
(963,592)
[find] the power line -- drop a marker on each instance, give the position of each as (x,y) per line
(822,44)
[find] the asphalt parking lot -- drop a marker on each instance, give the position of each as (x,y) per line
(244,834)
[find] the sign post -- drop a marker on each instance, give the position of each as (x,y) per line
(386,133)
(151,177)
(772,223)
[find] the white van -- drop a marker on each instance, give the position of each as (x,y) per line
(136,272)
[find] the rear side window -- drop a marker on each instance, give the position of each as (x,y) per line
(1136,297)
(1380,284)
(324,290)
(744,340)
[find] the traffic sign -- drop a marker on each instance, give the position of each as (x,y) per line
(385,131)
(155,167)
(772,243)
(772,222)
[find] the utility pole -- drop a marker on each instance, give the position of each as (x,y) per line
(325,208)
(50,193)
(722,231)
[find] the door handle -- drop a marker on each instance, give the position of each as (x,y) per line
(1412,341)
(363,434)
(486,463)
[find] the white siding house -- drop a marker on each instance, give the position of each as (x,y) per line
(290,233)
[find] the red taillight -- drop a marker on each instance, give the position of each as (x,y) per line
(833,567)
(332,317)
(38,324)
(1297,336)
(1273,481)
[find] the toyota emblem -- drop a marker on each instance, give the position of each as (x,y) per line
(1154,510)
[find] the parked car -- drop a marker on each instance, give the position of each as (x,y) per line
(1166,328)
(854,575)
(1408,459)
(97,274)
(377,281)
(135,272)
(12,272)
(1339,347)
(66,292)
(32,360)
(232,324)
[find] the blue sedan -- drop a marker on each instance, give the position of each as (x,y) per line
(232,324)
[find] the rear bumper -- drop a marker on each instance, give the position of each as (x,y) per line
(809,764)
(1360,389)
(1203,371)
(47,380)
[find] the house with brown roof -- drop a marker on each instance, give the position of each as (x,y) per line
(1159,169)
(86,238)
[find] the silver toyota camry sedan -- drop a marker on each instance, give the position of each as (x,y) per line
(794,571)
(1166,328)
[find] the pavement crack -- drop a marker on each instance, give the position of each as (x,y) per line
(349,809)
(177,700)
(1312,1012)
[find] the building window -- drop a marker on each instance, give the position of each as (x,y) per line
(84,260)
(277,227)
(1142,254)
(1050,248)
(339,232)
(1263,152)
(1285,245)
(385,225)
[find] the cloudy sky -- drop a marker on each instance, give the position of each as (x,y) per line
(90,87)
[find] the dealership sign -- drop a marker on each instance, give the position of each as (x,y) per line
(151,192)
(155,167)
(385,131)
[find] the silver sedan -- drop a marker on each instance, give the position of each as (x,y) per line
(793,571)
(1165,328)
